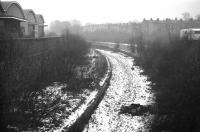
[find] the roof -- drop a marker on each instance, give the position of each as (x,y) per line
(30,16)
(40,19)
(193,29)
(15,18)
(1,9)
(13,10)
(5,5)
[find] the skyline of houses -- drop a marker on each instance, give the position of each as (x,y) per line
(149,30)
(25,23)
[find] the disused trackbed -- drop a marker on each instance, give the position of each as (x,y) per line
(79,125)
(127,86)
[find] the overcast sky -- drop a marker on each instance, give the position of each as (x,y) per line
(103,11)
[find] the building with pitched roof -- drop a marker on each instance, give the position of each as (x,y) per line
(11,15)
(29,27)
(18,22)
(40,24)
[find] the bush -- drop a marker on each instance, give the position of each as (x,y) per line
(175,70)
(28,65)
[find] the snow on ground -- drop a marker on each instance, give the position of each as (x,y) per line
(89,99)
(75,115)
(126,87)
(65,107)
(66,100)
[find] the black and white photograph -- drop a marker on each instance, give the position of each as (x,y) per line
(100,66)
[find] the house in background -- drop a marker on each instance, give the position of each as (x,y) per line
(20,23)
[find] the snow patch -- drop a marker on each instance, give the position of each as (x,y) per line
(127,86)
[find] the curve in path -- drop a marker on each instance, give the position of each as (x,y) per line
(126,87)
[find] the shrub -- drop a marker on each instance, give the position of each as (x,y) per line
(28,65)
(175,69)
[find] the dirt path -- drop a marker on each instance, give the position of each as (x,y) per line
(127,86)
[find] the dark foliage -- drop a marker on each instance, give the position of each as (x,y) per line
(27,65)
(174,68)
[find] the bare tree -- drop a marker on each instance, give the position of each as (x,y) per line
(198,17)
(186,16)
(75,26)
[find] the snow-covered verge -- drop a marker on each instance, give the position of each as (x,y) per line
(60,104)
(56,106)
(78,119)
(127,86)
(61,108)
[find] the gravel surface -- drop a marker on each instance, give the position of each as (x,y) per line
(127,86)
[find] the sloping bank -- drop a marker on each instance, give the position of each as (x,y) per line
(77,120)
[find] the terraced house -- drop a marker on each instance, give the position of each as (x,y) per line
(19,22)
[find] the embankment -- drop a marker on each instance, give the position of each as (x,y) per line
(83,119)
(27,65)
(174,69)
